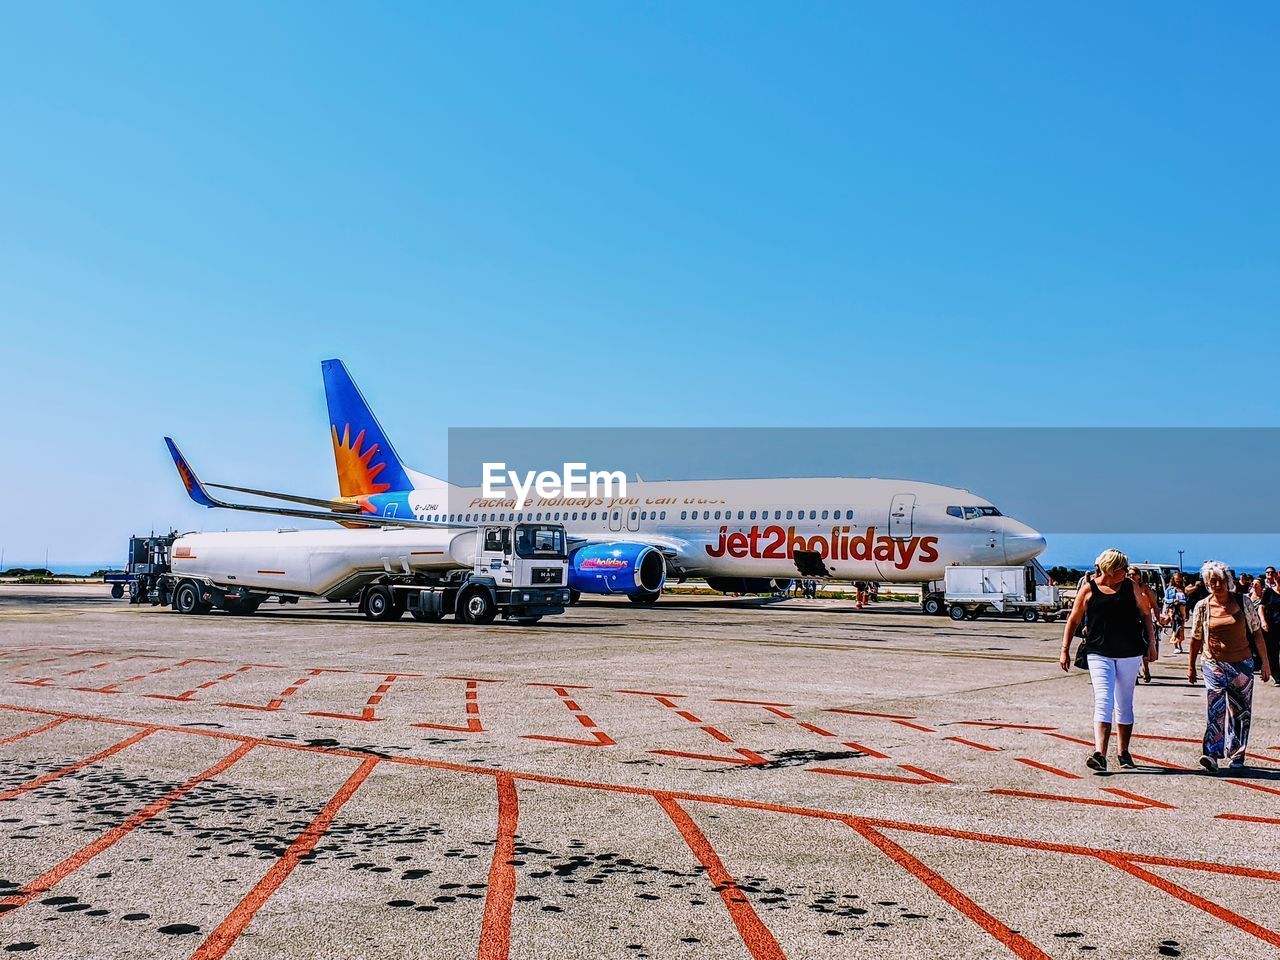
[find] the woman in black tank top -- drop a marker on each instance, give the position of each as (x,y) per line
(1121,637)
(1115,622)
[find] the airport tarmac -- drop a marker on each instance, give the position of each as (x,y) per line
(706,779)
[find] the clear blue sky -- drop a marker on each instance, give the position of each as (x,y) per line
(824,214)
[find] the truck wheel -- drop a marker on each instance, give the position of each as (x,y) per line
(932,606)
(379,604)
(425,616)
(187,600)
(1031,615)
(117,591)
(476,607)
(957,612)
(574,597)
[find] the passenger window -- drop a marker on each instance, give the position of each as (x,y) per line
(739,514)
(753,514)
(684,514)
(813,514)
(663,516)
(789,513)
(824,514)
(706,514)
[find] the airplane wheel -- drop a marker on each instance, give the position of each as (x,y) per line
(932,606)
(574,597)
(187,599)
(477,608)
(957,612)
(241,608)
(423,616)
(644,599)
(117,591)
(379,604)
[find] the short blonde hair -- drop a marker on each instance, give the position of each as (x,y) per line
(1109,560)
(1216,568)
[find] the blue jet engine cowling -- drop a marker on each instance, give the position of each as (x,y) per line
(620,567)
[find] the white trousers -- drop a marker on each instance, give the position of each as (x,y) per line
(1113,685)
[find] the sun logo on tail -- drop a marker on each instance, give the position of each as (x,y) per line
(184,472)
(357,474)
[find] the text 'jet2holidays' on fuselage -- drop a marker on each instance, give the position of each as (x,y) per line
(741,536)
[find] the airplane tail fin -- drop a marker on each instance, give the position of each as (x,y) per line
(365,460)
(195,489)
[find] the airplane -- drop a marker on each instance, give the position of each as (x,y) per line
(740,536)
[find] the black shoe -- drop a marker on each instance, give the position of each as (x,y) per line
(1096,761)
(1126,761)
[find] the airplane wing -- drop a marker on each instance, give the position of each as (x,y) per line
(338,506)
(199,492)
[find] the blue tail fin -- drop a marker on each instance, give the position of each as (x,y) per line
(195,489)
(364,457)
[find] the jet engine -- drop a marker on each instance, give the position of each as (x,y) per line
(634,569)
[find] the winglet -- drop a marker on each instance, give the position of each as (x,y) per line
(195,489)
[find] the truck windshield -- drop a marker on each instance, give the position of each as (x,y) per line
(538,540)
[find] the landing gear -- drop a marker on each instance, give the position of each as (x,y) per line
(646,599)
(241,608)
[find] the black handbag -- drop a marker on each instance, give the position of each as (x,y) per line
(1082,655)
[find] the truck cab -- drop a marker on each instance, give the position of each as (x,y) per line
(520,571)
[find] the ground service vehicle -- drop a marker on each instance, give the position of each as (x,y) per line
(967,592)
(148,561)
(514,570)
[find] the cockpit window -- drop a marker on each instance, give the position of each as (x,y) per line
(972,513)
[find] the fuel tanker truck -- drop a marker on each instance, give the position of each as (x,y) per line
(515,570)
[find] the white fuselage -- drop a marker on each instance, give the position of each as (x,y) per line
(859,529)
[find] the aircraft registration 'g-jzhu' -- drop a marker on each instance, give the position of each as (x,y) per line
(739,535)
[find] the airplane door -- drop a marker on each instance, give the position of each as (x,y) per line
(633,519)
(615,519)
(901,515)
(390,509)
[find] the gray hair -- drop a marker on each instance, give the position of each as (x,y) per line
(1219,569)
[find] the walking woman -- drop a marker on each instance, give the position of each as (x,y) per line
(1121,636)
(1175,610)
(1228,628)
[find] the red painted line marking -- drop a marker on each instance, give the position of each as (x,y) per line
(755,935)
(812,729)
(190,694)
(718,735)
(1089,801)
(34,730)
(863,748)
(1020,946)
(1251,786)
(1246,818)
(114,687)
(649,693)
(748,758)
(686,715)
(561,686)
(751,757)
(227,932)
(919,772)
(1024,843)
(369,713)
(1006,726)
(495,928)
(974,743)
(1138,798)
(598,737)
(79,764)
(754,703)
(1048,769)
(868,713)
(47,880)
(1152,736)
(889,777)
(780,713)
(914,726)
(1194,899)
(471,709)
(285,694)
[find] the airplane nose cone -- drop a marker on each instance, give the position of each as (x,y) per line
(1021,543)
